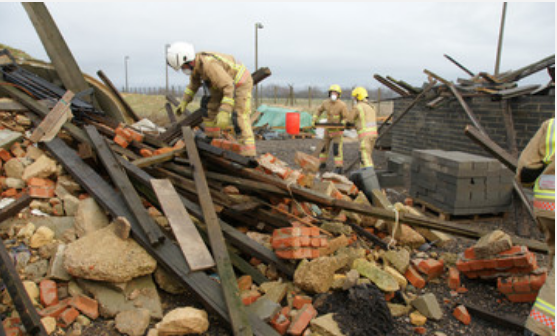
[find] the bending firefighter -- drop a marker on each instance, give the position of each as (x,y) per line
(230,85)
(336,113)
(536,166)
(363,116)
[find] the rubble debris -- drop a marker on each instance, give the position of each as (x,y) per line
(183,321)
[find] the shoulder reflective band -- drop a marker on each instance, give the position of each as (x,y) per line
(550,142)
(239,68)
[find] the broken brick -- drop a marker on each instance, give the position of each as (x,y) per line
(145,152)
(249,297)
(5,155)
(13,331)
(302,319)
(55,310)
(301,300)
(461,314)
(41,188)
(86,305)
(245,282)
(121,141)
(68,316)
(431,267)
(281,322)
(414,278)
(454,278)
(48,292)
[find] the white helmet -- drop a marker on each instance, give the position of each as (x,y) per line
(178,54)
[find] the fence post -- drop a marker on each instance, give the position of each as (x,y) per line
(309,96)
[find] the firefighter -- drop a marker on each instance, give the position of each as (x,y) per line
(363,116)
(536,166)
(336,113)
(230,85)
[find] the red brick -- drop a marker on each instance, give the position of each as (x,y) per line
(521,284)
(525,261)
(249,297)
(86,305)
(67,317)
(523,297)
(11,322)
(17,150)
(245,282)
(136,136)
(48,292)
(302,319)
(420,330)
(431,267)
(145,152)
(10,193)
(470,253)
(462,266)
(505,285)
(454,278)
(489,263)
(179,144)
(504,263)
(476,265)
(462,290)
(537,281)
(515,250)
(461,314)
(5,155)
(414,278)
(41,188)
(280,323)
(389,296)
(13,331)
(301,300)
(121,141)
(56,310)
(163,150)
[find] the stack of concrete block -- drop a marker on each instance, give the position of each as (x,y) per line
(460,183)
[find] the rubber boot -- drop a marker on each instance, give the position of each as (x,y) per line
(322,165)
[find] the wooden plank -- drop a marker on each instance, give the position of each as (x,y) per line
(167,254)
(390,85)
(118,96)
(404,85)
(39,109)
(170,113)
(437,77)
(192,120)
(122,182)
(466,108)
(56,48)
(462,67)
(528,70)
(156,159)
(491,147)
(55,119)
(507,321)
(192,245)
(10,105)
(29,317)
(236,310)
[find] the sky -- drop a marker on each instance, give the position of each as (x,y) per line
(303,43)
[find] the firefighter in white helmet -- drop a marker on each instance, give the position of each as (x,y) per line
(230,84)
(336,113)
(363,115)
(536,167)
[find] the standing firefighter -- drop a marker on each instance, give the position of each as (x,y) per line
(536,166)
(230,84)
(336,113)
(363,115)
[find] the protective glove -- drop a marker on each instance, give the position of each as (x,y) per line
(312,123)
(223,120)
(181,108)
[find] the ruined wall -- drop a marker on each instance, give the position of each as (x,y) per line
(443,127)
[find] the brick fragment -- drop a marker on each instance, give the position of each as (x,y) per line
(281,322)
(67,317)
(5,155)
(41,188)
(414,278)
(431,267)
(454,278)
(13,331)
(461,314)
(48,292)
(245,282)
(145,152)
(55,310)
(121,141)
(89,307)
(301,300)
(302,319)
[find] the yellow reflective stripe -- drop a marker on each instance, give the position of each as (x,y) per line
(550,142)
(546,307)
(544,194)
(362,114)
(368,129)
(240,68)
(189,92)
(227,100)
(240,74)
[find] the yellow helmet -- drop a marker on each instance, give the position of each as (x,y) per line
(360,93)
(336,88)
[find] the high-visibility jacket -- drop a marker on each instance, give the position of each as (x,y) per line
(221,72)
(337,112)
(363,115)
(539,155)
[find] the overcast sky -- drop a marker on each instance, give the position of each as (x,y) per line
(303,43)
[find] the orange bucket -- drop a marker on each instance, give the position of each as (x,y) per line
(292,123)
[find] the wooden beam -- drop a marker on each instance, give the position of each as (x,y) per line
(118,96)
(167,254)
(437,77)
(170,113)
(390,85)
(15,207)
(238,317)
(506,321)
(56,47)
(54,120)
(466,108)
(122,182)
(462,67)
(528,70)
(491,147)
(156,159)
(196,253)
(40,110)
(260,75)
(192,120)
(404,85)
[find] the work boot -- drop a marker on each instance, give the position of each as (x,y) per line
(338,170)
(322,166)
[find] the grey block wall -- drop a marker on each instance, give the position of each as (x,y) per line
(443,127)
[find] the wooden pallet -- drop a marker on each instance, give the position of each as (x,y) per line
(433,211)
(301,136)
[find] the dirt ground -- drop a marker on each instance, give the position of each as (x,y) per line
(480,293)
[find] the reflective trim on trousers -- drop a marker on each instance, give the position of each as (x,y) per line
(370,133)
(335,134)
(228,100)
(543,205)
(542,318)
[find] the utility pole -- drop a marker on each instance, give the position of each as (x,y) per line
(500,42)
(258,26)
(126,69)
(166,66)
